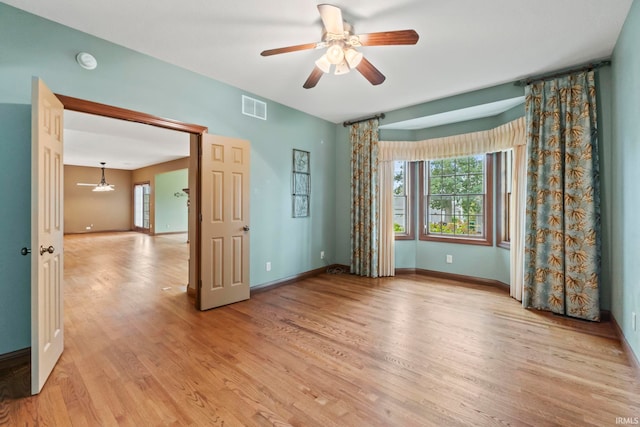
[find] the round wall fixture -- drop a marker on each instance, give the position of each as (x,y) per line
(86,60)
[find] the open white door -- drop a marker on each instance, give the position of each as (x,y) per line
(225,221)
(47,334)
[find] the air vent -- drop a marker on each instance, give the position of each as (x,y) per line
(254,108)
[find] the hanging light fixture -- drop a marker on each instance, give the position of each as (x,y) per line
(103,186)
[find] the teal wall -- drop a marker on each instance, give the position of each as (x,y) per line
(32,46)
(624,176)
(171,211)
(15,227)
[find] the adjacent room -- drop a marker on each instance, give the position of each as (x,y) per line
(300,213)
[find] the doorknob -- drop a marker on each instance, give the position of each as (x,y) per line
(245,228)
(25,251)
(50,249)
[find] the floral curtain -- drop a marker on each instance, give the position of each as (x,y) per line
(364,198)
(562,231)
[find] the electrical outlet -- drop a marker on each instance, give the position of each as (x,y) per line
(267,266)
(449,259)
(321,254)
(633,320)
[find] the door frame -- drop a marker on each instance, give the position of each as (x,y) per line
(195,131)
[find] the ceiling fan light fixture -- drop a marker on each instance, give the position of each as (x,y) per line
(340,42)
(342,68)
(353,57)
(335,54)
(324,64)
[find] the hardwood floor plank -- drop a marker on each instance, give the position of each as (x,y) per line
(330,350)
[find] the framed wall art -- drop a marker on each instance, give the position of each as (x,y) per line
(300,183)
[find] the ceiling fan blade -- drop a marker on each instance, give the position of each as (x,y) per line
(370,72)
(82,184)
(387,38)
(331,18)
(288,49)
(313,78)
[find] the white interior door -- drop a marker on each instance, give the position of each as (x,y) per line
(47,333)
(224,265)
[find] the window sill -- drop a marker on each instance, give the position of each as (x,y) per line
(505,245)
(405,237)
(457,240)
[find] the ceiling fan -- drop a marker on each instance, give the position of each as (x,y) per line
(102,185)
(340,42)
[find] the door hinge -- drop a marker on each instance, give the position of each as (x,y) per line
(200,283)
(200,217)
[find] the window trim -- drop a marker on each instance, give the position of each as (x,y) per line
(501,205)
(410,179)
(487,240)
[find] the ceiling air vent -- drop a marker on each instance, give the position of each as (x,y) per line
(254,108)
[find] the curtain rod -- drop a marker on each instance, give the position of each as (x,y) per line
(352,122)
(586,67)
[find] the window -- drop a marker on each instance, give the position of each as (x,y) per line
(141,194)
(403,173)
(456,200)
(505,177)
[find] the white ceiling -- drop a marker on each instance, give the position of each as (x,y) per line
(464,44)
(90,139)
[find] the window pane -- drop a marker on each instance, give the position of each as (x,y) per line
(476,226)
(399,177)
(435,168)
(505,177)
(400,214)
(455,197)
(471,205)
(464,165)
(435,185)
(402,200)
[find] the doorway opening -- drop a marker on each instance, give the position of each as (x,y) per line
(195,132)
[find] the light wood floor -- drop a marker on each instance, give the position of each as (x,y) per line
(335,350)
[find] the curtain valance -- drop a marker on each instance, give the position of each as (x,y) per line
(497,139)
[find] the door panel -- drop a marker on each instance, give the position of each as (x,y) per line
(47,264)
(225,213)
